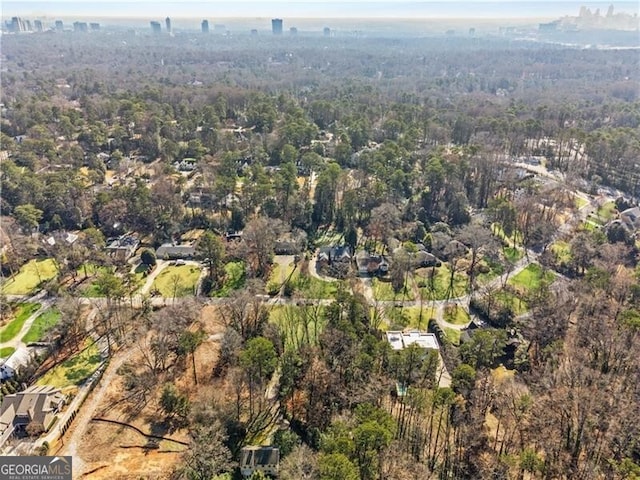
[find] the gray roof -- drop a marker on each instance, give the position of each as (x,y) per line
(259,456)
(171,250)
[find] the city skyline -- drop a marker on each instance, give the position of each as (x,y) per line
(139,9)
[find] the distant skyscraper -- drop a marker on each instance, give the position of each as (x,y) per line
(80,27)
(37,25)
(27,25)
(293,31)
(167,22)
(155,27)
(205,26)
(276,26)
(17,25)
(95,27)
(326,32)
(59,25)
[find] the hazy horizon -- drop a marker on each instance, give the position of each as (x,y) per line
(256,9)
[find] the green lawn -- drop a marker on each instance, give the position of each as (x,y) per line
(300,325)
(22,312)
(75,370)
(92,271)
(312,287)
(531,278)
(383,291)
(562,251)
(512,254)
(305,285)
(580,202)
(279,275)
(437,288)
(41,326)
(413,313)
(453,335)
(234,278)
(455,315)
(590,226)
(606,212)
(30,276)
(179,280)
(508,299)
(6,352)
(511,240)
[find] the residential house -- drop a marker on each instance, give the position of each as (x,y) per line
(186,165)
(174,251)
(38,404)
(401,340)
(630,218)
(371,265)
(291,243)
(18,359)
(123,247)
(231,236)
(263,459)
(335,261)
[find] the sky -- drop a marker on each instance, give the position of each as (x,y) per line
(303,8)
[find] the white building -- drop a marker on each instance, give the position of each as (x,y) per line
(400,340)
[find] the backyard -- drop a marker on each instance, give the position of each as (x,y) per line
(177,281)
(32,274)
(20,315)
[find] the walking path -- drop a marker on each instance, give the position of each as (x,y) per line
(45,303)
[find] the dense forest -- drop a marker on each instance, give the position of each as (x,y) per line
(463,162)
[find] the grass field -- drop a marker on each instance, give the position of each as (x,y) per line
(453,335)
(607,211)
(580,202)
(562,251)
(75,370)
(41,326)
(411,316)
(6,352)
(22,312)
(512,254)
(455,315)
(91,289)
(437,288)
(300,325)
(312,287)
(234,278)
(531,278)
(306,285)
(178,281)
(511,240)
(508,299)
(383,291)
(30,276)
